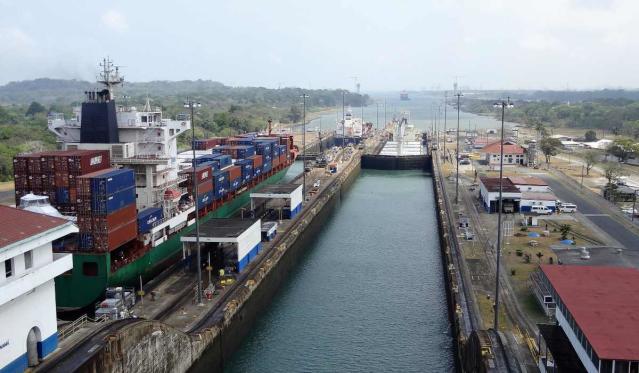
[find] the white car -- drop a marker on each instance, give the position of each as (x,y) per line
(568,207)
(540,210)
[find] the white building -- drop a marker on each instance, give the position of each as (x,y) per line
(530,199)
(513,154)
(530,184)
(28,323)
(489,194)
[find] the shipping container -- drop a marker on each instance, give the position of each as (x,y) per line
(203,173)
(264,149)
(257,171)
(203,159)
(203,187)
(275,162)
(234,184)
(109,222)
(82,162)
(220,184)
(204,199)
(267,166)
(206,144)
(224,160)
(235,172)
(235,151)
(283,159)
(109,181)
(257,160)
(239,141)
(109,241)
(149,218)
(106,204)
(247,169)
(62,195)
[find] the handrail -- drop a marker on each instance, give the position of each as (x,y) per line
(78,324)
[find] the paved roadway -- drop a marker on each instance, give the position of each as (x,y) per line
(593,212)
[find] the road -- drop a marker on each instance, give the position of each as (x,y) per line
(593,212)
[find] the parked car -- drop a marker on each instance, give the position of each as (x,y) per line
(568,207)
(540,210)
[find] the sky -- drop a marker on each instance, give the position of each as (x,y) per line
(384,45)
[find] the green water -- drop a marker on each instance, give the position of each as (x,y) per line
(368,296)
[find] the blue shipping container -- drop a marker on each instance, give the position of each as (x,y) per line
(112,181)
(267,166)
(223,159)
(257,171)
(263,148)
(204,199)
(62,195)
(235,183)
(149,218)
(204,159)
(247,169)
(104,205)
(221,184)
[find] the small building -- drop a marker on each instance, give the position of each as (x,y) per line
(530,199)
(283,199)
(489,194)
(513,154)
(231,243)
(27,292)
(596,324)
(529,184)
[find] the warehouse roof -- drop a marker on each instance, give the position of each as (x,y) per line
(603,302)
(492,184)
(530,180)
(17,225)
(220,228)
(277,189)
(509,148)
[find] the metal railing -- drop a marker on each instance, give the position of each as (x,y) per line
(78,324)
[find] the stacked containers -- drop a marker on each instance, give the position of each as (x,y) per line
(235,177)
(264,149)
(106,209)
(247,169)
(222,160)
(235,151)
(206,144)
(206,159)
(257,164)
(248,140)
(221,184)
(203,175)
(149,218)
(54,174)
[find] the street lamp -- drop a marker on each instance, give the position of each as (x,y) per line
(304,96)
(503,105)
(458,94)
(445,133)
(190,104)
(343,118)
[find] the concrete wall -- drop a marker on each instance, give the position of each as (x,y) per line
(389,162)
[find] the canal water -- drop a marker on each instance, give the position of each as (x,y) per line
(368,295)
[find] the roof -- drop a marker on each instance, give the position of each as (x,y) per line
(603,301)
(278,189)
(222,228)
(538,196)
(530,180)
(509,148)
(17,225)
(492,184)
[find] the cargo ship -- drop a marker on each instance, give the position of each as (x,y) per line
(120,176)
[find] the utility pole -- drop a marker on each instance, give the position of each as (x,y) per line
(458,94)
(304,97)
(377,121)
(192,105)
(343,119)
(385,113)
(445,133)
(503,105)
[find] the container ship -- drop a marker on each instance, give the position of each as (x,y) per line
(120,176)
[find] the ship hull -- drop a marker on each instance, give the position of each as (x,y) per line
(91,273)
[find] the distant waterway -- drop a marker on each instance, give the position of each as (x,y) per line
(367,296)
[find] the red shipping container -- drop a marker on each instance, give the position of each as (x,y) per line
(276,162)
(107,223)
(235,172)
(109,241)
(257,160)
(283,159)
(82,162)
(203,187)
(202,173)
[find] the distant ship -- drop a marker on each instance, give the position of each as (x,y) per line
(131,223)
(403,95)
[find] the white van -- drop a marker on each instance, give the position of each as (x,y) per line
(540,210)
(568,207)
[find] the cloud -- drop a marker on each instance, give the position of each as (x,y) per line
(14,40)
(540,42)
(115,21)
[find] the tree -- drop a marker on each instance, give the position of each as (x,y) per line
(622,148)
(612,172)
(34,109)
(590,158)
(549,147)
(295,114)
(565,229)
(590,136)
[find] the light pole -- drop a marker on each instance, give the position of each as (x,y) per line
(458,94)
(503,105)
(343,118)
(445,133)
(190,104)
(384,113)
(377,121)
(304,96)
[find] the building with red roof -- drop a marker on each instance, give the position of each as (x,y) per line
(514,154)
(596,309)
(28,267)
